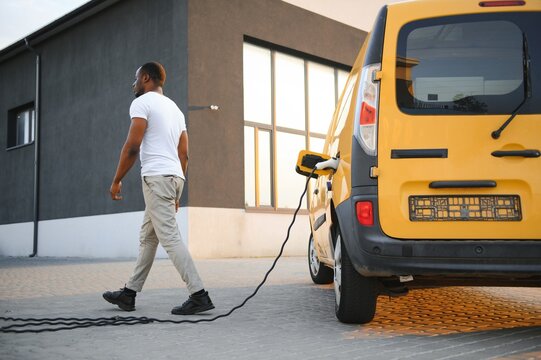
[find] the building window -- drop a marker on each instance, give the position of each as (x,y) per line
(21,122)
(289,102)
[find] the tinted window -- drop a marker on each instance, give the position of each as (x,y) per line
(469,64)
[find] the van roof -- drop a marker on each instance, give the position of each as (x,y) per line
(411,10)
(450,7)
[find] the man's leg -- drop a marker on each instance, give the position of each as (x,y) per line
(148,243)
(163,192)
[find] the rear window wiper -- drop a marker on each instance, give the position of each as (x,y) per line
(527,86)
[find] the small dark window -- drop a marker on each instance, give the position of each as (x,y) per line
(21,122)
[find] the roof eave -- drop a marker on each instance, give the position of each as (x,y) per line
(70,19)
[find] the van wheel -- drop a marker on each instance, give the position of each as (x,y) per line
(319,273)
(356,295)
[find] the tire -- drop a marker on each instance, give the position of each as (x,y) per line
(355,295)
(319,273)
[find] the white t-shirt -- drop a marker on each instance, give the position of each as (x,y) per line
(165,123)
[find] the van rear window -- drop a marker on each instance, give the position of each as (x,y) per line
(472,64)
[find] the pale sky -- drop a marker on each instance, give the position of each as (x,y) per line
(19,18)
(356,13)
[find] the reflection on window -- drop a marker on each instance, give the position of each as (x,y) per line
(460,66)
(343,112)
(289,80)
(288,106)
(21,124)
(345,104)
(257,84)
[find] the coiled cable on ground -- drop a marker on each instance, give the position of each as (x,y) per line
(39,325)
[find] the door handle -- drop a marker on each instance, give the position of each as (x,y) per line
(462,184)
(419,153)
(517,153)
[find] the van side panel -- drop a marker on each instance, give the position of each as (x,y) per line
(350,174)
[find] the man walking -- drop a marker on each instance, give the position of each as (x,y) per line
(158,134)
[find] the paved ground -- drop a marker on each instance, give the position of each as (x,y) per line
(289,319)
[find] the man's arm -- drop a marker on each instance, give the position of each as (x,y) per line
(183,151)
(183,156)
(128,155)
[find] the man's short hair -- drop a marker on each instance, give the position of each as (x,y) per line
(155,71)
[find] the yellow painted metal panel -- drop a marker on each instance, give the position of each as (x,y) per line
(469,145)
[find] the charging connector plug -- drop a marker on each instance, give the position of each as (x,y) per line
(332,163)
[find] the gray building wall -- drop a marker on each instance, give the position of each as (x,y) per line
(17,166)
(87,72)
(216,35)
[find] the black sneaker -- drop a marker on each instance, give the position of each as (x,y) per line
(125,298)
(195,304)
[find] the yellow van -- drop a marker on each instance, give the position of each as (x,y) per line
(433,169)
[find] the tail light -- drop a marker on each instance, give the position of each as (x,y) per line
(366,112)
(365,213)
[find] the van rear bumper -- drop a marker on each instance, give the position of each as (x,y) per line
(375,254)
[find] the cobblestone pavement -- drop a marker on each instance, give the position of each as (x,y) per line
(289,319)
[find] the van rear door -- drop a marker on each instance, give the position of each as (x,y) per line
(447,84)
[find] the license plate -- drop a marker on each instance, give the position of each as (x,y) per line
(465,208)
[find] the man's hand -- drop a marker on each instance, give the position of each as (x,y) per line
(176,206)
(115,190)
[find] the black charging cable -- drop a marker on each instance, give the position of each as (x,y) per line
(35,325)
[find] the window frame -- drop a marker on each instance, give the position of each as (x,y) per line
(13,128)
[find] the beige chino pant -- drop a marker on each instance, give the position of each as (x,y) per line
(160,226)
